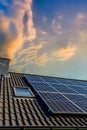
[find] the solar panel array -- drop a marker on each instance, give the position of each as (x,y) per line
(63,96)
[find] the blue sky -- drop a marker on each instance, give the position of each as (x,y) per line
(45,37)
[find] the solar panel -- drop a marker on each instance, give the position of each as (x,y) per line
(42,87)
(49,80)
(57,103)
(60,95)
(76,97)
(63,107)
(52,96)
(80,90)
(33,78)
(63,81)
(63,88)
(77,82)
(83,105)
(80,100)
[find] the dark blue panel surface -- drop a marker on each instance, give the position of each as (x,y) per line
(79,83)
(33,78)
(80,90)
(50,80)
(63,81)
(63,88)
(58,103)
(52,96)
(42,87)
(76,98)
(82,104)
(63,107)
(60,95)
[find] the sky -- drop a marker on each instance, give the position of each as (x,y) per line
(45,37)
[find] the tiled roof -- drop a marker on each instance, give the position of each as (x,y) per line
(27,112)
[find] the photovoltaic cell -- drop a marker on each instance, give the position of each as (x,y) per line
(63,107)
(83,105)
(49,80)
(61,95)
(33,78)
(63,88)
(63,81)
(76,98)
(42,87)
(80,90)
(79,83)
(57,103)
(52,96)
(79,100)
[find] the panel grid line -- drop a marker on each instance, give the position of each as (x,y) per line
(55,94)
(68,99)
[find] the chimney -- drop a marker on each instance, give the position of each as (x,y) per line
(4,66)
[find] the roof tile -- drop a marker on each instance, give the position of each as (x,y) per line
(28,112)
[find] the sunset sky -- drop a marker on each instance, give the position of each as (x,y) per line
(45,37)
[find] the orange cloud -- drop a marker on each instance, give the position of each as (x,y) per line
(42,60)
(10,45)
(65,53)
(4,22)
(31,55)
(21,20)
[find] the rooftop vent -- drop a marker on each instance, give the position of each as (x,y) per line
(4,66)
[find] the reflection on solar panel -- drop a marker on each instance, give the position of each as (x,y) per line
(80,90)
(50,80)
(63,81)
(80,100)
(42,87)
(61,96)
(63,107)
(80,83)
(33,78)
(52,96)
(76,97)
(63,88)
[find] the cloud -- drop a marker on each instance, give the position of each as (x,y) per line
(44,19)
(42,60)
(17,68)
(44,33)
(60,17)
(4,22)
(30,56)
(81,16)
(80,20)
(83,36)
(9,44)
(56,26)
(16,28)
(82,45)
(65,53)
(31,50)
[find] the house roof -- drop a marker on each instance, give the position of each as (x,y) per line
(29,112)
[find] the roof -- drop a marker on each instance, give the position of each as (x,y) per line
(29,112)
